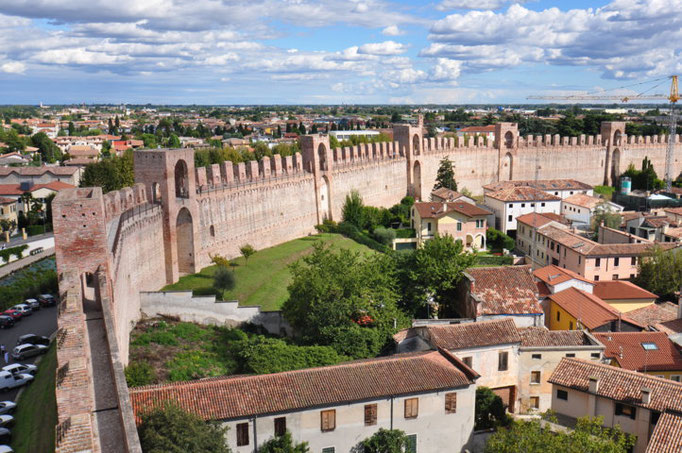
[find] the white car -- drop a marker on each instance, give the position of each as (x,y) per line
(6,449)
(33,303)
(24,309)
(15,368)
(28,350)
(6,420)
(7,407)
(10,381)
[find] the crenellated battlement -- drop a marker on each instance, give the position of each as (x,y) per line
(119,201)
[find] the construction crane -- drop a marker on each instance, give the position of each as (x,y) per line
(673,97)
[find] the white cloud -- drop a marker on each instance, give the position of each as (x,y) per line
(446,70)
(392,30)
(448,5)
(383,48)
(13,67)
(78,56)
(220,60)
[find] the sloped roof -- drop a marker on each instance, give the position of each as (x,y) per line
(504,290)
(656,313)
(553,275)
(542,184)
(619,384)
(670,327)
(620,289)
(243,396)
(542,337)
(587,308)
(667,435)
(38,171)
(522,194)
(584,200)
(626,348)
(447,194)
(472,334)
(434,210)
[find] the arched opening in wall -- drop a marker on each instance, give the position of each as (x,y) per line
(211,231)
(415,145)
(417,181)
(509,139)
(507,167)
(325,201)
(89,293)
(156,192)
(184,233)
(617,137)
(615,165)
(322,156)
(181,180)
(469,241)
(479,242)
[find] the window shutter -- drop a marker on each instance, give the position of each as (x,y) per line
(370,414)
(450,403)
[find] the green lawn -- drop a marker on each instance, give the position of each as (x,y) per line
(265,279)
(36,415)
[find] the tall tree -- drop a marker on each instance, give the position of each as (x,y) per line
(445,177)
(661,272)
(353,209)
(247,250)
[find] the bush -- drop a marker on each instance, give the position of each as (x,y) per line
(497,240)
(139,374)
(6,254)
(490,412)
(351,231)
(384,235)
(283,444)
(405,233)
(385,441)
(223,280)
(263,355)
(197,364)
(355,341)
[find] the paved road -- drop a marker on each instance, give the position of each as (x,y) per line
(42,322)
(18,240)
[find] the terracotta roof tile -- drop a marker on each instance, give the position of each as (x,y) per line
(542,184)
(522,194)
(434,210)
(504,290)
(670,327)
(620,289)
(654,314)
(7,200)
(541,336)
(553,275)
(587,308)
(242,396)
(626,348)
(667,435)
(619,384)
(472,334)
(584,200)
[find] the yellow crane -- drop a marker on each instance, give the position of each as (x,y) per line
(673,97)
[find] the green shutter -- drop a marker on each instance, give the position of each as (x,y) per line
(411,444)
(328,450)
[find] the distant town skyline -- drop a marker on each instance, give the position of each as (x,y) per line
(331,51)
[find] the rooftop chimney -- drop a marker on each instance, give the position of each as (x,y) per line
(646,395)
(593,386)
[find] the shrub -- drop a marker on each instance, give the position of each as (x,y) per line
(497,240)
(223,280)
(198,364)
(139,374)
(385,441)
(384,235)
(283,444)
(263,355)
(6,254)
(490,412)
(405,233)
(353,209)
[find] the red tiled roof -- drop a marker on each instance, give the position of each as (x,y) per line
(587,308)
(667,435)
(489,128)
(472,334)
(654,314)
(554,275)
(671,327)
(584,200)
(243,396)
(522,194)
(506,290)
(447,194)
(434,210)
(619,384)
(37,171)
(620,289)
(15,189)
(626,349)
(543,337)
(542,184)
(7,200)
(537,219)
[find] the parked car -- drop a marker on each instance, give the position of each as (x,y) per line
(5,435)
(15,315)
(24,309)
(33,303)
(31,338)
(19,368)
(6,449)
(6,420)
(24,351)
(10,381)
(7,407)
(6,322)
(47,300)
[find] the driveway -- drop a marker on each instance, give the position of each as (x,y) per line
(42,322)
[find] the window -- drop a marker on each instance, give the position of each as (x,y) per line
(633,230)
(616,262)
(570,325)
(467,361)
(570,354)
(280,426)
(459,225)
(509,219)
(428,226)
(558,316)
(614,277)
(579,258)
(370,414)
(450,403)
(532,205)
(625,410)
(556,193)
(633,261)
(650,346)
(503,361)
(328,450)
(562,395)
(534,377)
(595,355)
(411,446)
(675,377)
(597,262)
(328,420)
(411,407)
(537,356)
(542,205)
(535,402)
(242,434)
(558,248)
(596,278)
(523,205)
(511,205)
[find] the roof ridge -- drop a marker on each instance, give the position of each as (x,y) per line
(616,369)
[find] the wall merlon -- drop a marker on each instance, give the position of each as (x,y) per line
(227,170)
(201,176)
(265,167)
(252,169)
(298,162)
(289,164)
(214,176)
(276,163)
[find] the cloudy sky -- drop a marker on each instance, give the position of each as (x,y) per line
(329,51)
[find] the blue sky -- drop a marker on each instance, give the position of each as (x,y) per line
(330,51)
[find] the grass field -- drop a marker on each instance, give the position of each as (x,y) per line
(36,415)
(265,279)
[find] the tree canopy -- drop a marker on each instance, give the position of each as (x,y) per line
(661,273)
(445,177)
(283,444)
(110,174)
(385,441)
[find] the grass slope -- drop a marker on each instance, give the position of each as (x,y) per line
(265,279)
(36,415)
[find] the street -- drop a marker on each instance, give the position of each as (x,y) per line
(42,322)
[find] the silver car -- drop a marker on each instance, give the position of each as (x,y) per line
(7,407)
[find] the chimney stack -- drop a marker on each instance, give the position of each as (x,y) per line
(593,386)
(646,395)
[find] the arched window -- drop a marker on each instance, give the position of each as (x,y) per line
(322,156)
(509,139)
(181,180)
(415,144)
(211,231)
(156,193)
